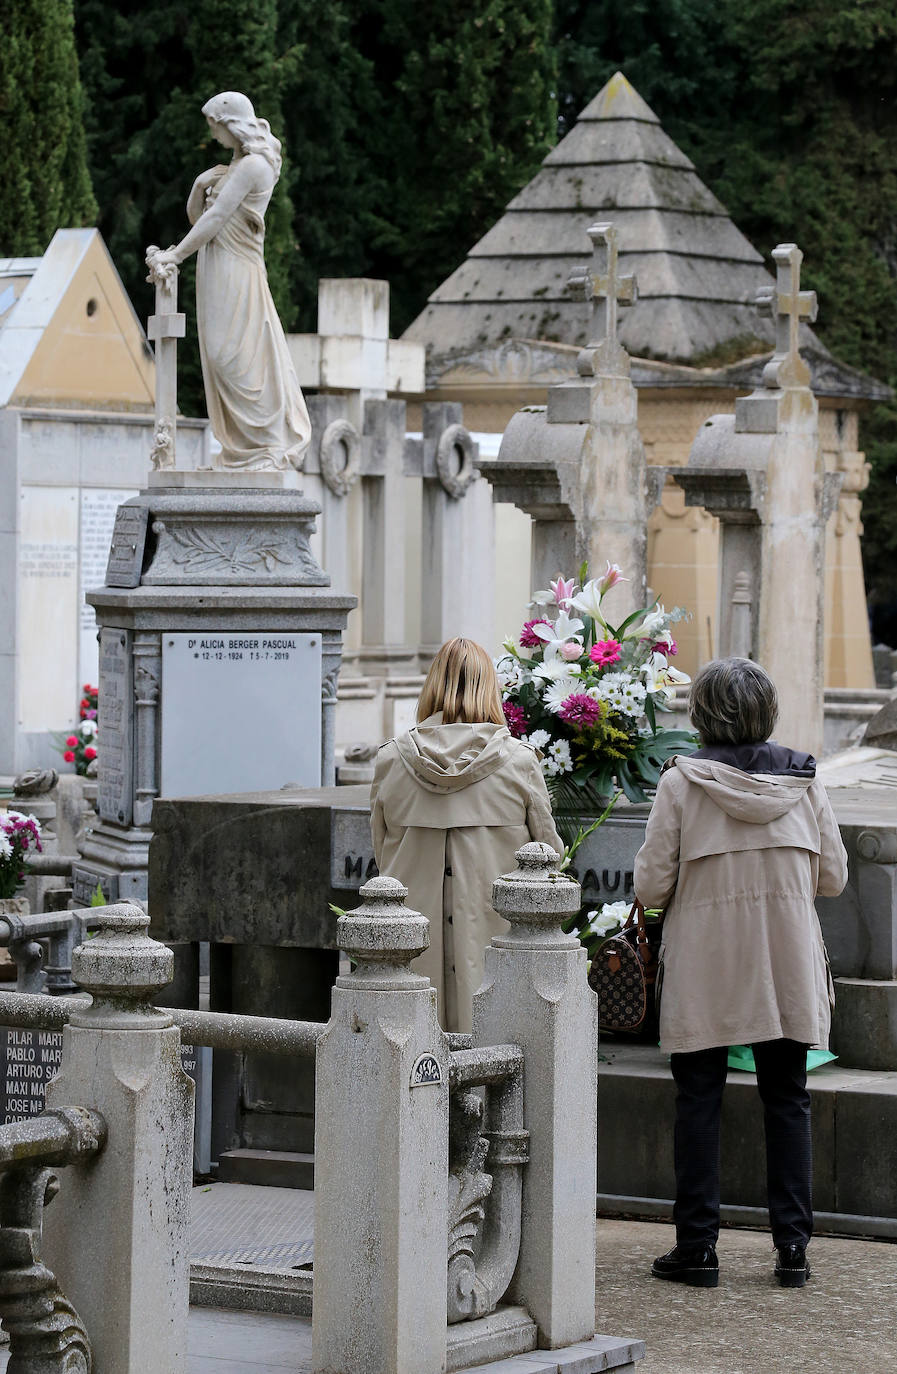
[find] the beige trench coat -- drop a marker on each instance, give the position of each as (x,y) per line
(450,805)
(737,859)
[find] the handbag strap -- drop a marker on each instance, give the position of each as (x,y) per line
(637,914)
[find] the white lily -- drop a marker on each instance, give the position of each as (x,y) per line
(561,631)
(661,678)
(653,623)
(588,601)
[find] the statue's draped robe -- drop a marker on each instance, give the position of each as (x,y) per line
(256,407)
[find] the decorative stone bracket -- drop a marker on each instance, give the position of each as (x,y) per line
(46,1335)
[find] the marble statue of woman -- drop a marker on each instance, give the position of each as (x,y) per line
(255,405)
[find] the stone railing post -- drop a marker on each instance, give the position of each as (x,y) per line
(116,1236)
(381,1146)
(535,993)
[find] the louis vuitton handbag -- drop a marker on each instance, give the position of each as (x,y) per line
(624,974)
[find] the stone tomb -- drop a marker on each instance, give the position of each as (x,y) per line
(220,646)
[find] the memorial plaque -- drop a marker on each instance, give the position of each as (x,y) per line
(115,760)
(605,861)
(30,1058)
(240,712)
(48,608)
(126,548)
(352,861)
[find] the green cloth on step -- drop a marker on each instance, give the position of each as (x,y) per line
(742,1057)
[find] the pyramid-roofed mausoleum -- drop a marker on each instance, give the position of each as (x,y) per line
(698,276)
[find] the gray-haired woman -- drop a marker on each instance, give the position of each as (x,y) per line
(740,841)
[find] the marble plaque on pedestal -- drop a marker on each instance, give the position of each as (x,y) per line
(241,712)
(115,759)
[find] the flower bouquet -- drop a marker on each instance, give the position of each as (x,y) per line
(587,693)
(18,834)
(80,747)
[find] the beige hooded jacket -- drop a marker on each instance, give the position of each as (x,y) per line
(737,860)
(450,805)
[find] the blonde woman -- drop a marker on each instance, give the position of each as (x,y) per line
(256,407)
(451,802)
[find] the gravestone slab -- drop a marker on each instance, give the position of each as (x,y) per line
(216,685)
(126,547)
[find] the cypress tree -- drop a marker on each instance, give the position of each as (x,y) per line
(46,181)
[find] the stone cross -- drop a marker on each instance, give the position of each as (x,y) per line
(165,327)
(789,305)
(601,283)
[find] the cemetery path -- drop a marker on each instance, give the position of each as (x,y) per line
(842,1321)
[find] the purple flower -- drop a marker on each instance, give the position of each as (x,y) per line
(528,638)
(516,718)
(580,711)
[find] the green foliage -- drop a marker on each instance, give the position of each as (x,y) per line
(98,896)
(46,185)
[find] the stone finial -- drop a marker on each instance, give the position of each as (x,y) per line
(122,969)
(382,936)
(788,305)
(600,282)
(536,899)
(35,782)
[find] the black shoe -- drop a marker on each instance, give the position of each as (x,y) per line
(792,1270)
(696,1265)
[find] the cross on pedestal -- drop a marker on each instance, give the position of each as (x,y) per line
(600,282)
(165,327)
(789,305)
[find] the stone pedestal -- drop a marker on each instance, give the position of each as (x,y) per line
(382,1205)
(117,1234)
(535,990)
(220,647)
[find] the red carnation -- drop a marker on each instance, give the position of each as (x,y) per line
(69,756)
(72,741)
(90,752)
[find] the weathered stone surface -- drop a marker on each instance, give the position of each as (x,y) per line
(383,1203)
(881,732)
(128,1280)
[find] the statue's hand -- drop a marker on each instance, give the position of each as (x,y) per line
(163,265)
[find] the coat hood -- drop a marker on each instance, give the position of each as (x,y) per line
(448,758)
(756,798)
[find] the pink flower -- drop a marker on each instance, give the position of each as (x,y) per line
(90,752)
(72,741)
(665,646)
(563,591)
(90,715)
(580,710)
(69,756)
(528,639)
(515,717)
(571,651)
(605,651)
(613,574)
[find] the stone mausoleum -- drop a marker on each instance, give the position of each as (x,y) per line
(504,327)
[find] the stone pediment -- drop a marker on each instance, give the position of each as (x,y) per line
(533,363)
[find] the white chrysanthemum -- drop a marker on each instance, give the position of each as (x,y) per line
(87,729)
(538,739)
(553,669)
(621,692)
(550,768)
(5,846)
(557,693)
(560,753)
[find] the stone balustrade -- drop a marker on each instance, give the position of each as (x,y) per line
(455,1173)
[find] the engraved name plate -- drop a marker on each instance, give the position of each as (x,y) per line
(126,550)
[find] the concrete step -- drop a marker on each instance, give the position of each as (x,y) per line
(854,1143)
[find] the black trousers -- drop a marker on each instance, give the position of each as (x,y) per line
(782,1083)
